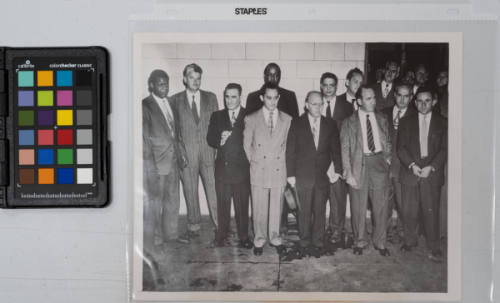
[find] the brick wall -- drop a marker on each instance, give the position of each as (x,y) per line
(301,64)
(301,67)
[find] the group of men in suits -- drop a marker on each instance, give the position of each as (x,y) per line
(381,144)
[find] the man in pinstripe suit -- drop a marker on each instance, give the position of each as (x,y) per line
(194,108)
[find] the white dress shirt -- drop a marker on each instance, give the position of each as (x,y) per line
(424,133)
(197,98)
(165,109)
(384,85)
(395,112)
(315,128)
(325,106)
(375,131)
(266,116)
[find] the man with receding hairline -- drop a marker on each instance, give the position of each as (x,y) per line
(312,145)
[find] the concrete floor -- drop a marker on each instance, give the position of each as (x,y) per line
(200,267)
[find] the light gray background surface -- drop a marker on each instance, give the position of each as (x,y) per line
(80,255)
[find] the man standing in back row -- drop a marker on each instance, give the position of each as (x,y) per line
(194,108)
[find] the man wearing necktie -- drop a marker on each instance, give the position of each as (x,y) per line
(366,156)
(384,91)
(264,142)
(163,156)
(194,108)
(421,77)
(404,95)
(337,108)
(422,149)
(313,144)
(232,174)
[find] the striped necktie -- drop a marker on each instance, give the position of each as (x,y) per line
(369,134)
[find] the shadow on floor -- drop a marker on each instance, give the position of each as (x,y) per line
(201,267)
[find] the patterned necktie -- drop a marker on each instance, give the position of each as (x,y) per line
(194,109)
(395,122)
(233,118)
(328,110)
(423,137)
(315,132)
(386,90)
(271,122)
(170,119)
(369,134)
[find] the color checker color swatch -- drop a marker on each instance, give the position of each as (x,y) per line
(55,118)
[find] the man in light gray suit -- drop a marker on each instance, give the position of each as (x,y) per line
(163,156)
(366,156)
(194,108)
(265,135)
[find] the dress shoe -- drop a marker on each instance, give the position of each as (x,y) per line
(349,242)
(358,251)
(406,248)
(384,252)
(257,251)
(280,249)
(293,254)
(245,244)
(316,252)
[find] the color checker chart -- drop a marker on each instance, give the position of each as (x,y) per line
(58,128)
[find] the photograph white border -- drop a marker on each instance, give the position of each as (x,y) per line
(454,266)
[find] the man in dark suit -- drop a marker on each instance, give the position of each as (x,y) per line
(162,155)
(232,175)
(353,81)
(422,149)
(366,156)
(404,95)
(287,103)
(312,144)
(337,108)
(194,108)
(384,91)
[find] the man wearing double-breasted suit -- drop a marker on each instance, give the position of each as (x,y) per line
(194,108)
(264,142)
(366,156)
(163,157)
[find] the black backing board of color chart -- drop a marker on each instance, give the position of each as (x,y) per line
(54,148)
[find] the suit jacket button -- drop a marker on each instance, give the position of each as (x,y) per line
(278,158)
(277,169)
(264,157)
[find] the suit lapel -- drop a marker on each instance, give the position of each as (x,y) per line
(226,121)
(357,127)
(203,107)
(159,112)
(322,132)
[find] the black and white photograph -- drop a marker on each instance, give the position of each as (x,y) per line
(304,166)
